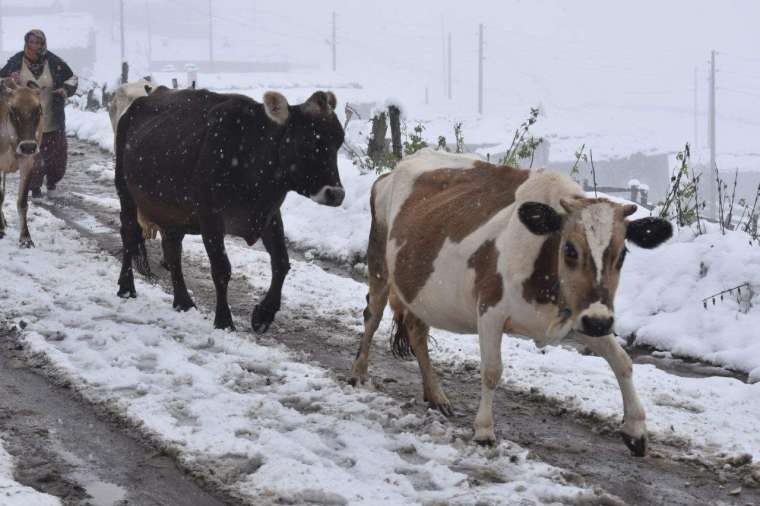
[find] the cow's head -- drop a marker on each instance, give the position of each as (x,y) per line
(309,149)
(25,114)
(592,249)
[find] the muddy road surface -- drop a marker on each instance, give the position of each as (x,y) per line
(589,449)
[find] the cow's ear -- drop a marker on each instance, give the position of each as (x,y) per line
(276,107)
(539,218)
(148,88)
(318,104)
(331,100)
(649,232)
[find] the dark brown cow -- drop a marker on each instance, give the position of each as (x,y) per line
(20,136)
(197,162)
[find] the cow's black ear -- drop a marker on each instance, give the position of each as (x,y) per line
(539,218)
(649,232)
(276,107)
(331,100)
(148,88)
(318,104)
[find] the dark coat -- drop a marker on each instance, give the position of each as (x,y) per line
(62,78)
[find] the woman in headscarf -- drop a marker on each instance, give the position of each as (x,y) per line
(57,82)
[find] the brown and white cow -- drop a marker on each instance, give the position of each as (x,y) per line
(470,247)
(20,136)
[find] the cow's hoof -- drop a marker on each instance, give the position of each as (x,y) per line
(224,324)
(359,373)
(441,403)
(183,305)
(637,445)
(26,242)
(262,318)
(485,437)
(127,293)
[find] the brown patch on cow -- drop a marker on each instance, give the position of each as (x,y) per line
(447,203)
(489,286)
(542,286)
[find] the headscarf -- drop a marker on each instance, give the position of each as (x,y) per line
(36,65)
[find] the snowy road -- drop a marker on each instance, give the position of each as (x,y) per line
(434,460)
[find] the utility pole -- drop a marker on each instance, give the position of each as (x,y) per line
(1,25)
(480,69)
(696,111)
(210,35)
(712,193)
(448,69)
(334,42)
(150,35)
(443,57)
(121,29)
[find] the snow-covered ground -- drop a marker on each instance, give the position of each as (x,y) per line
(267,424)
(13,493)
(661,291)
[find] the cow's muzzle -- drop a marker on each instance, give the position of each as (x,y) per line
(597,320)
(596,327)
(27,148)
(329,196)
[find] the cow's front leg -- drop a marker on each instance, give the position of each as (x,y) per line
(212,231)
(171,243)
(22,204)
(634,431)
(490,331)
(273,237)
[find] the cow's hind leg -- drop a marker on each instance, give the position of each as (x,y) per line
(490,331)
(377,299)
(634,431)
(212,231)
(273,237)
(133,244)
(171,243)
(417,332)
(22,204)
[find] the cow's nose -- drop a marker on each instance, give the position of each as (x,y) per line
(28,148)
(334,196)
(597,327)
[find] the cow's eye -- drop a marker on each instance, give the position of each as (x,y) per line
(621,258)
(570,251)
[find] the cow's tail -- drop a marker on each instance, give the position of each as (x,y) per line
(131,232)
(400,345)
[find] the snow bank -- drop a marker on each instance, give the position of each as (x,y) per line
(661,292)
(13,493)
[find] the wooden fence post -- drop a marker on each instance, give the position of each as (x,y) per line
(376,146)
(644,197)
(395,116)
(124,72)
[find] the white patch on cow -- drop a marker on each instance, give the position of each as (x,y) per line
(123,98)
(598,220)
